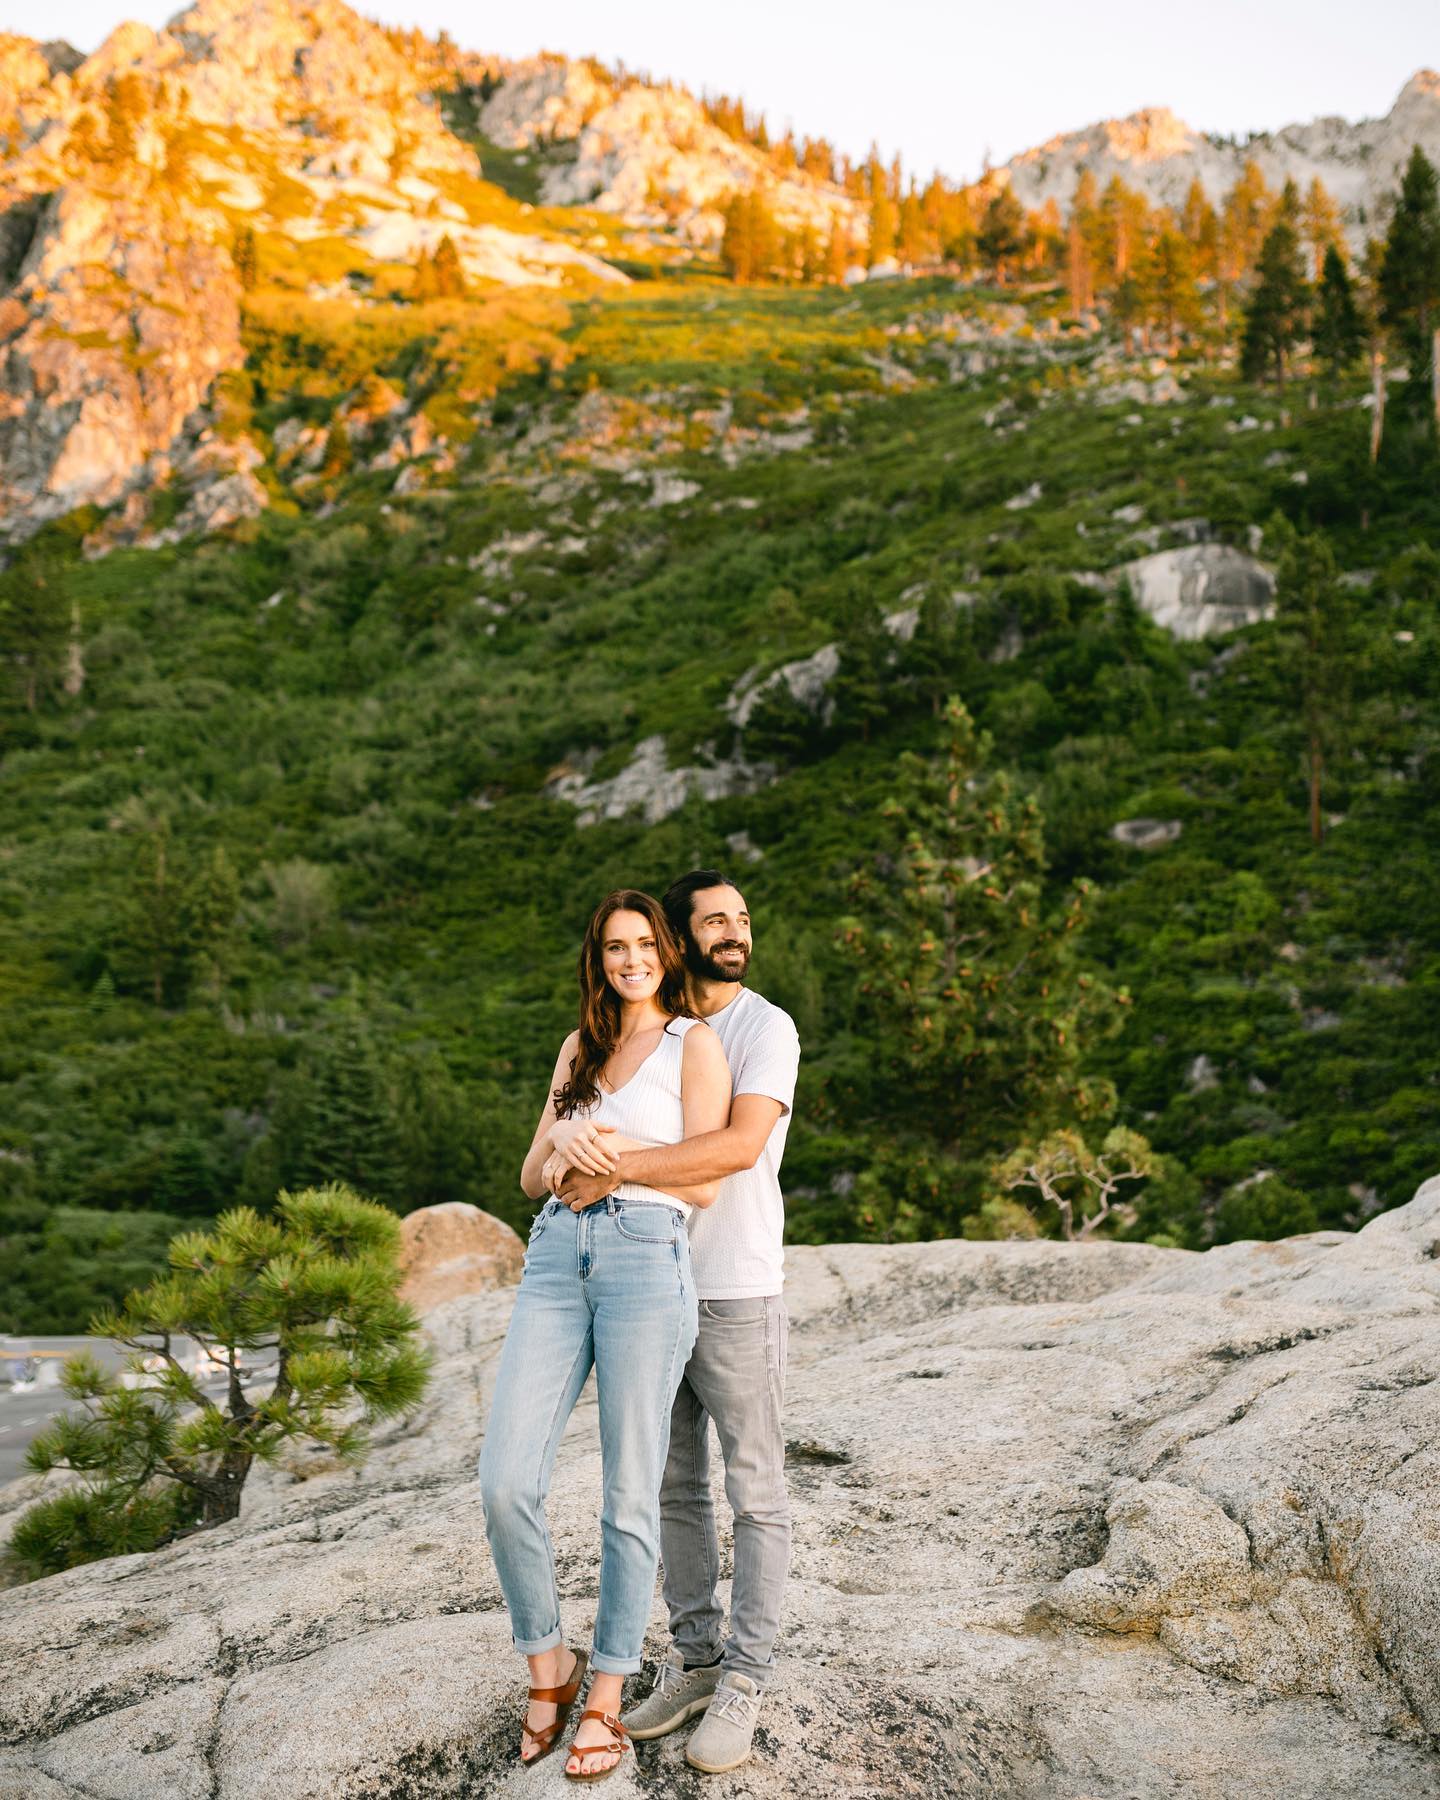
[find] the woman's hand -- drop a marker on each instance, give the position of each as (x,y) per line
(576,1144)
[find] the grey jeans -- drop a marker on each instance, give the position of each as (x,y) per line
(735,1376)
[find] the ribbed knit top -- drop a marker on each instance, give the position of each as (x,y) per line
(650,1107)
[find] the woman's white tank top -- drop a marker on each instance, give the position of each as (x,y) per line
(650,1107)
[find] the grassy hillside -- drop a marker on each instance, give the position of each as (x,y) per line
(365,698)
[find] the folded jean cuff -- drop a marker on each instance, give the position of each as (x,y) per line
(538,1646)
(605,1664)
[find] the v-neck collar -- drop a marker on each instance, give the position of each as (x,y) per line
(640,1065)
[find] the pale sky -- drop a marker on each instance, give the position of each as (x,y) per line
(943,84)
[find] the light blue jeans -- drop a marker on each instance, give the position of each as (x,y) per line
(612,1287)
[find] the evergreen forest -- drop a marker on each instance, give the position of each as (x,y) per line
(823,584)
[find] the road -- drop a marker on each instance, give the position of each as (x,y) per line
(26,1409)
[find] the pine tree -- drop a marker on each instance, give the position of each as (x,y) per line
(1174,296)
(1338,335)
(1275,317)
(764,234)
(883,226)
(1122,218)
(750,247)
(974,1009)
(1242,222)
(1080,232)
(244,255)
(154,925)
(736,255)
(306,1298)
(1410,272)
(423,286)
(449,276)
(837,250)
(1321,223)
(1200,227)
(914,246)
(210,916)
(1315,639)
(350,1132)
(436,1133)
(34,623)
(1001,237)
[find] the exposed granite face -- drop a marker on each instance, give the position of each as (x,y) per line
(1201,590)
(1070,1521)
(118,318)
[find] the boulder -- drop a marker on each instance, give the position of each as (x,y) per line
(454,1249)
(1100,1520)
(1200,590)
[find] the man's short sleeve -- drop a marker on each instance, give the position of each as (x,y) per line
(771,1061)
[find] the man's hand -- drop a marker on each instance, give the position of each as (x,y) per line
(579,1191)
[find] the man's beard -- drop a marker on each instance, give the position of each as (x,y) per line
(705,966)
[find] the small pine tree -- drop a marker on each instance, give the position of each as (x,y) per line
(448,273)
(736,255)
(973,1006)
(1079,1187)
(423,285)
(1275,317)
(883,225)
(837,251)
(1315,640)
(764,235)
(245,255)
(1001,237)
(154,922)
(1173,293)
(1410,272)
(303,1303)
(349,1128)
(210,914)
(1200,227)
(914,239)
(34,623)
(1322,227)
(1338,335)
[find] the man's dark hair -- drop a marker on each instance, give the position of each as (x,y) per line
(679,896)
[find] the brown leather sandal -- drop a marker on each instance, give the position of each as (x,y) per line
(562,1699)
(620,1743)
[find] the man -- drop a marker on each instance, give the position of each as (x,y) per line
(736,1373)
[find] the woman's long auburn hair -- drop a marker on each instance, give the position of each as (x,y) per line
(600,1004)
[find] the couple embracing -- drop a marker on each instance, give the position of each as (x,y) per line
(656,1258)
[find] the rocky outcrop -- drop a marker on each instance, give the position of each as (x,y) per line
(648,785)
(454,1249)
(105,348)
(806,681)
(1201,590)
(303,120)
(649,154)
(545,100)
(1159,154)
(1099,1520)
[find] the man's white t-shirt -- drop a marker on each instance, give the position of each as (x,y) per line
(736,1245)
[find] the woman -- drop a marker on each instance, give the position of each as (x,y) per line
(607,1284)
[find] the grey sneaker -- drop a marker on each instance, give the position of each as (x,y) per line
(674,1698)
(722,1738)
